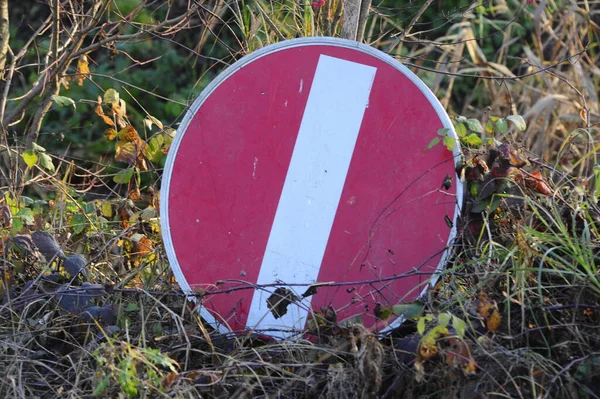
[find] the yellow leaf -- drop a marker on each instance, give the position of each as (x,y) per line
(428,346)
(488,311)
(111,96)
(100,112)
(83,70)
(583,114)
(493,322)
(107,120)
(471,367)
(142,248)
(128,133)
(126,151)
(120,110)
(116,109)
(110,134)
(427,350)
(484,309)
(134,194)
(106,210)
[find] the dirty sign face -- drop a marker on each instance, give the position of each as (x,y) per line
(306,163)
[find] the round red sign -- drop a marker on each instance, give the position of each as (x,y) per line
(305,164)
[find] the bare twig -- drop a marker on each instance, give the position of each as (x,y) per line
(351,19)
(365,7)
(4,35)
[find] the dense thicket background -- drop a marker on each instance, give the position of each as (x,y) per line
(91,94)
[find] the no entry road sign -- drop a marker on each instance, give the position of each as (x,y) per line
(306,162)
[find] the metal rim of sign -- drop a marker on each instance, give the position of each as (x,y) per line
(238,65)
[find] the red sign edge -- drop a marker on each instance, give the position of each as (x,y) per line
(228,72)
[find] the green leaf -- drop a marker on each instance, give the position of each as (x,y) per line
(171,133)
(473,140)
(30,158)
(501,125)
(102,385)
(459,326)
(106,209)
(449,142)
(596,181)
(384,313)
(489,127)
(474,189)
(9,200)
(63,101)
(159,358)
(409,310)
(124,176)
(354,319)
(443,131)
(26,215)
(444,319)
(494,118)
(157,330)
(491,141)
(46,162)
(89,208)
(460,119)
(495,203)
(475,126)
(421,325)
(487,205)
(461,130)
(38,204)
(433,142)
(154,149)
(17,224)
(132,307)
(518,121)
(78,223)
(479,206)
(72,206)
(37,148)
(111,96)
(26,200)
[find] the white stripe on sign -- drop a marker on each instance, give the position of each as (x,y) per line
(334,111)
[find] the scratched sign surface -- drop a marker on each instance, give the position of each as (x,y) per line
(306,162)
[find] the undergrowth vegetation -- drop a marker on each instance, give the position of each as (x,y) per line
(92,94)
